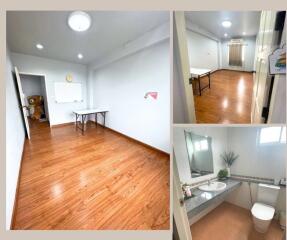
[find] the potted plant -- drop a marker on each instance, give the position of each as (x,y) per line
(222,174)
(229,158)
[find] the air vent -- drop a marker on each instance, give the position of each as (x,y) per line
(236,41)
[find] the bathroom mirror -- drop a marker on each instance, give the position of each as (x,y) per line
(199,154)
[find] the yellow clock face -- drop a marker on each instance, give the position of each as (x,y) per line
(69,78)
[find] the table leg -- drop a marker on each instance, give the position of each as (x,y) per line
(104,119)
(209,80)
(83,124)
(96,119)
(76,121)
(198,78)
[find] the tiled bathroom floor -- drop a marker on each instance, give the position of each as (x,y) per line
(230,222)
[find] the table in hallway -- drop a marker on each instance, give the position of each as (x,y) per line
(198,73)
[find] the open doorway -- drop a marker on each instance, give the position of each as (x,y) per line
(227,65)
(33,93)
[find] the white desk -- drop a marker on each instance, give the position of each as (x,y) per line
(82,114)
(197,73)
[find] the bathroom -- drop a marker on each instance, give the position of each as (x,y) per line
(231,182)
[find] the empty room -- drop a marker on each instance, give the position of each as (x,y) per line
(225,67)
(88,120)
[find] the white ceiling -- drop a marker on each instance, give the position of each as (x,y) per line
(247,21)
(109,30)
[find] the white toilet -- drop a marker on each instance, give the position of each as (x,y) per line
(263,210)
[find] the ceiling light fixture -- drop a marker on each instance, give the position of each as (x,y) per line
(226,24)
(80,56)
(244,33)
(79,21)
(39,46)
(225,34)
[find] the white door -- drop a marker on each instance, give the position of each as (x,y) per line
(179,210)
(184,94)
(22,99)
(264,48)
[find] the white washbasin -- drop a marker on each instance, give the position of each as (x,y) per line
(213,187)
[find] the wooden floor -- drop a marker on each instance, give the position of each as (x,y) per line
(227,101)
(101,180)
(231,222)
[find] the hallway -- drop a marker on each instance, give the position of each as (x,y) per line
(227,101)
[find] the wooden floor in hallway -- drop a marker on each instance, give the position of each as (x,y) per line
(227,101)
(100,180)
(231,222)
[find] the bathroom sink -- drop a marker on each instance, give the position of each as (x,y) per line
(213,187)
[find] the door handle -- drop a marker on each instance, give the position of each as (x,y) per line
(181,202)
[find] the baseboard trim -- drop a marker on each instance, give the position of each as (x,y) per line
(234,70)
(133,139)
(12,224)
(62,124)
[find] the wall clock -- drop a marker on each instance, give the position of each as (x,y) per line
(69,78)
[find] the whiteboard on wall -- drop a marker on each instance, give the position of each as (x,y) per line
(68,92)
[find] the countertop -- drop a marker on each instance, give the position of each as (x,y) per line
(202,199)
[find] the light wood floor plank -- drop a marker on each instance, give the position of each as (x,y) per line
(101,180)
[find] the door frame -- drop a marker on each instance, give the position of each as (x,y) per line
(46,92)
(182,60)
(23,108)
(277,93)
(179,211)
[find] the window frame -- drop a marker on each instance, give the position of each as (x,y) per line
(278,142)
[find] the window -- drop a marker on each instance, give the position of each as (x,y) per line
(201,145)
(235,54)
(272,135)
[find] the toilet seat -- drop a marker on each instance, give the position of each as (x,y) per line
(263,211)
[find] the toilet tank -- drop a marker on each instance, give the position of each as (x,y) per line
(267,194)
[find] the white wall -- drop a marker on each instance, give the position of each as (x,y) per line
(266,161)
(219,144)
(241,197)
(31,85)
(15,136)
(202,51)
(203,47)
(257,161)
(121,86)
(55,71)
(147,39)
(249,54)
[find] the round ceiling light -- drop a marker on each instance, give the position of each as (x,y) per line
(80,56)
(39,46)
(226,24)
(225,34)
(79,21)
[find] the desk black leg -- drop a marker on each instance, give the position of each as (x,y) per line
(104,119)
(96,119)
(76,121)
(198,78)
(209,80)
(83,124)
